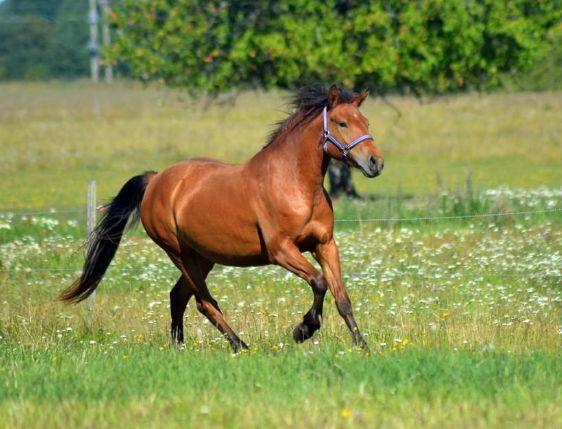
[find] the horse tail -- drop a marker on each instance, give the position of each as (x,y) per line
(105,238)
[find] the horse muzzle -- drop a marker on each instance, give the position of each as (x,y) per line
(370,166)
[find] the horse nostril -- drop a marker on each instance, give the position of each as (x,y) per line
(373,163)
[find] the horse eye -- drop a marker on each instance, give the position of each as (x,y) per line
(343,124)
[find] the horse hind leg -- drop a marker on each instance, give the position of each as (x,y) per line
(179,297)
(207,306)
(196,269)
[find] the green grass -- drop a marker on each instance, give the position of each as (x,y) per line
(168,388)
(56,137)
(463,316)
(463,325)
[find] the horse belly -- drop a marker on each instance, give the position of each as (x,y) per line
(222,229)
(222,244)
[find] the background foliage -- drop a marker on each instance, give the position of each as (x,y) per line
(433,45)
(392,45)
(42,39)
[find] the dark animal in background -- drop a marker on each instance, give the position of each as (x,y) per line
(341,182)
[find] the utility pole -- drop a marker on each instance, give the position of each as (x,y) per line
(93,43)
(106,37)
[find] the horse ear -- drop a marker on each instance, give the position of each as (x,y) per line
(333,96)
(359,98)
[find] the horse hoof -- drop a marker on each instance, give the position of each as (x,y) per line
(363,346)
(177,336)
(302,333)
(239,346)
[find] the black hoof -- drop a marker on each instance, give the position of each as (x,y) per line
(303,332)
(239,346)
(177,335)
(362,344)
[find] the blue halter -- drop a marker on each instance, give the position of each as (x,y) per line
(343,148)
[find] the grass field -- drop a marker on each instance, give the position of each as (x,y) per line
(55,137)
(463,315)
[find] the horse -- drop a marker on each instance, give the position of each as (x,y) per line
(269,210)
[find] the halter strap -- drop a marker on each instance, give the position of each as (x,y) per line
(329,137)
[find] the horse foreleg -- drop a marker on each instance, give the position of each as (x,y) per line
(289,256)
(328,257)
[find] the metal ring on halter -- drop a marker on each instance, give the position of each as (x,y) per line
(328,137)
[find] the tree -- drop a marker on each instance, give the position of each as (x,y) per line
(43,39)
(432,45)
(402,45)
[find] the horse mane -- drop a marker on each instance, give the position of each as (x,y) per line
(305,104)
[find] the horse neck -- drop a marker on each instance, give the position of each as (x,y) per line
(301,150)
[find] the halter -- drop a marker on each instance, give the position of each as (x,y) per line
(328,137)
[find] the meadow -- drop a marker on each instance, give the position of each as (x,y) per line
(463,314)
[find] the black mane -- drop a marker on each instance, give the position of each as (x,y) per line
(306,104)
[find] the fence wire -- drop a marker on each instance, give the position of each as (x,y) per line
(380,219)
(427,276)
(468,216)
(40,212)
(376,219)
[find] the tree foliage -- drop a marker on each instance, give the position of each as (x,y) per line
(424,45)
(43,39)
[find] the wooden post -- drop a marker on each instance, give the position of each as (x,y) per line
(93,44)
(106,37)
(91,224)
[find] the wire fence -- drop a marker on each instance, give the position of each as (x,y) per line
(467,216)
(41,212)
(59,271)
(375,219)
(428,276)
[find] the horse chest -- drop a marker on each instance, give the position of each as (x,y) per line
(316,227)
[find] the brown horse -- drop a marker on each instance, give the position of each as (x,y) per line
(267,211)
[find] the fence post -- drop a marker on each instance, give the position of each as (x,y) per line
(91,224)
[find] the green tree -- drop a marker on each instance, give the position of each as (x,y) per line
(69,52)
(431,45)
(43,38)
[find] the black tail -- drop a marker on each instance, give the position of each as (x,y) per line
(104,240)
